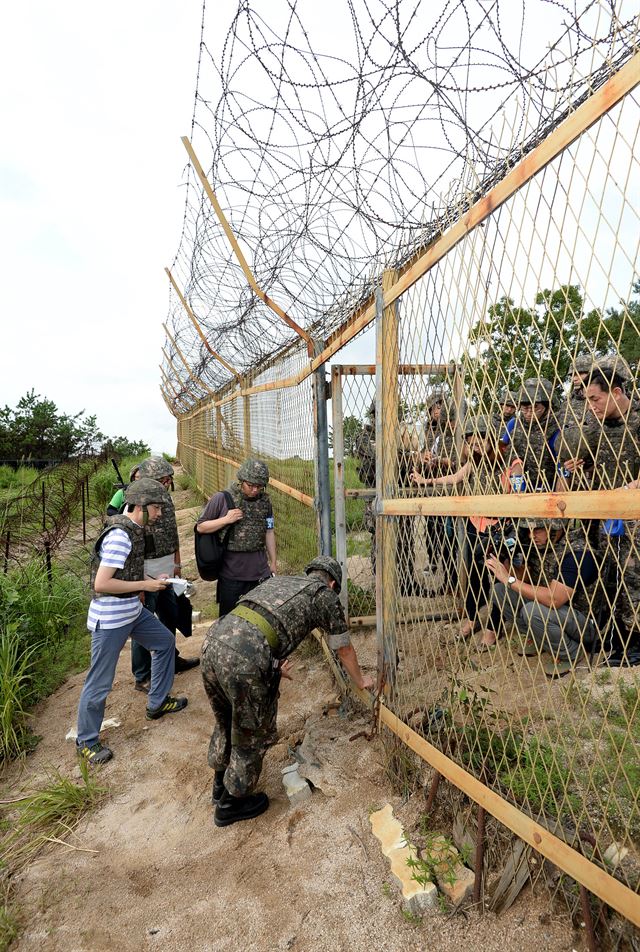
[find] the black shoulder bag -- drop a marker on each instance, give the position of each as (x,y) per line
(211,547)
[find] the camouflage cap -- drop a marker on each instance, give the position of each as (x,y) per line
(539,522)
(145,492)
(478,425)
(536,390)
(614,365)
(254,471)
(156,467)
(325,563)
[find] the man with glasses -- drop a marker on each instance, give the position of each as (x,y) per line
(250,555)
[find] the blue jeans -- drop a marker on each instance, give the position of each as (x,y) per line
(162,604)
(106,645)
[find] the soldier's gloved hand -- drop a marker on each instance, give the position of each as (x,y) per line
(234,515)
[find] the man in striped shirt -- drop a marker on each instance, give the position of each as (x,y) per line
(116,613)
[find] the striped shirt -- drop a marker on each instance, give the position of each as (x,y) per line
(110,611)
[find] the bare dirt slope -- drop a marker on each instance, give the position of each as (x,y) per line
(164,877)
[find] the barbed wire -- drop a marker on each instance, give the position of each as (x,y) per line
(341,140)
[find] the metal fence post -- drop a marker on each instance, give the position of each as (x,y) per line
(338,483)
(386,479)
(323,485)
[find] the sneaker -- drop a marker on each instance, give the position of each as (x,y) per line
(95,754)
(170,705)
(142,686)
(218,786)
(528,649)
(557,669)
(234,809)
(185,664)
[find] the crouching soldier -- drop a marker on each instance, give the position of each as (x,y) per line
(241,671)
(116,613)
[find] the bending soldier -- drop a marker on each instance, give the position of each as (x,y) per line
(241,675)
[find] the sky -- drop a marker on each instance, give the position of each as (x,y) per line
(93,101)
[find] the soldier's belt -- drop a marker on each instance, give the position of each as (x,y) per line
(270,634)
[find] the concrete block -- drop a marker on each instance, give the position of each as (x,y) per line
(195,617)
(289,769)
(454,879)
(416,898)
(297,789)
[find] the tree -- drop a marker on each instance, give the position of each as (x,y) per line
(35,430)
(514,343)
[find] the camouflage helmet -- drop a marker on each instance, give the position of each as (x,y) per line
(540,522)
(536,390)
(509,398)
(436,396)
(254,471)
(325,563)
(145,492)
(156,467)
(614,365)
(582,364)
(475,425)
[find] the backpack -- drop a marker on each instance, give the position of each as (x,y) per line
(210,548)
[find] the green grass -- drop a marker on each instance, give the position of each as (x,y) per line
(42,638)
(30,824)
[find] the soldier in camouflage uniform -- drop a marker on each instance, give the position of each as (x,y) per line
(116,613)
(532,453)
(579,427)
(241,659)
(555,606)
(615,464)
(250,555)
(162,557)
(365,452)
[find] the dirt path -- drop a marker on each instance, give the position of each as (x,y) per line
(163,877)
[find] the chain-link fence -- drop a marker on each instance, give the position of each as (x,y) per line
(485,466)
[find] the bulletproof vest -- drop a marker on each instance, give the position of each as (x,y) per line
(365,451)
(249,533)
(133,570)
(615,449)
(286,601)
(161,536)
(531,443)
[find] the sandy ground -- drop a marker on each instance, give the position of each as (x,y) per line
(162,876)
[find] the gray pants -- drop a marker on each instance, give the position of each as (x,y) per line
(106,645)
(561,631)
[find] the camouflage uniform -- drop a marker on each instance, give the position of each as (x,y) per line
(240,677)
(565,629)
(530,441)
(249,534)
(365,452)
(611,450)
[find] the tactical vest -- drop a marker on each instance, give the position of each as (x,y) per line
(287,602)
(615,449)
(133,570)
(249,533)
(162,535)
(531,444)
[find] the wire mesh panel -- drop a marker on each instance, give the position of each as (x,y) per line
(526,674)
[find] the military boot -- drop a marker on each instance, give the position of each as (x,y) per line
(233,809)
(218,786)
